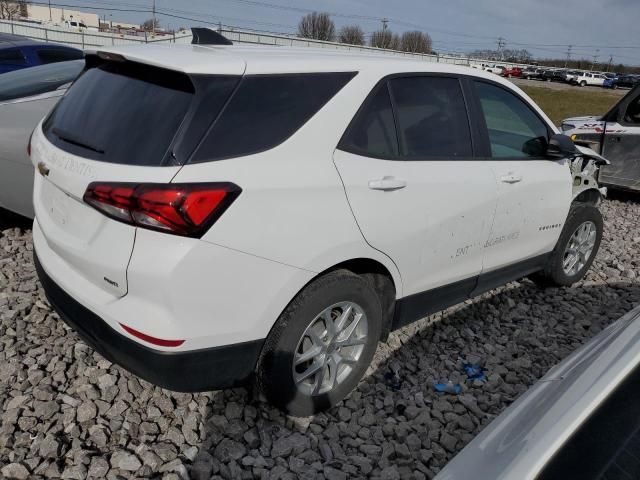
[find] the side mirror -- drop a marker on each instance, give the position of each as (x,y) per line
(561,146)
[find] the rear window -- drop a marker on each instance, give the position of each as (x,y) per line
(121,112)
(265,110)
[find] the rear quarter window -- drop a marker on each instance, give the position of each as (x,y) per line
(265,110)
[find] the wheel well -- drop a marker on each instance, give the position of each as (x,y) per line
(591,196)
(381,280)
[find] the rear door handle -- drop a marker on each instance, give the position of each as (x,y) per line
(511,178)
(387,183)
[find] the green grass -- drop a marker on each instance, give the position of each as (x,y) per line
(561,104)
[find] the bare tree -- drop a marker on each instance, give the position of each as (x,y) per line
(385,39)
(11,9)
(351,34)
(416,42)
(318,26)
(148,24)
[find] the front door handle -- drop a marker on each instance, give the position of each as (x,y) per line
(387,184)
(511,178)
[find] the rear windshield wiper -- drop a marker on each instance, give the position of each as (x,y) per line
(72,139)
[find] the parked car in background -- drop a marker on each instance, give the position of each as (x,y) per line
(533,73)
(26,96)
(554,75)
(18,52)
(589,78)
(580,421)
(628,81)
(512,72)
(494,68)
(616,136)
(571,75)
(175,185)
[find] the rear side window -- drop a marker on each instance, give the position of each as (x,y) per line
(121,112)
(52,55)
(515,131)
(373,132)
(431,117)
(265,110)
(11,56)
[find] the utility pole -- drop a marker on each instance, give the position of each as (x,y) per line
(50,16)
(595,57)
(566,62)
(610,62)
(384,21)
(501,44)
(153,28)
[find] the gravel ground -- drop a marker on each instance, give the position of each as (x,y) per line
(69,413)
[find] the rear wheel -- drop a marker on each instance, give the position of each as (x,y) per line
(583,83)
(321,345)
(576,248)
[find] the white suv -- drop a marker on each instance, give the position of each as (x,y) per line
(585,78)
(211,215)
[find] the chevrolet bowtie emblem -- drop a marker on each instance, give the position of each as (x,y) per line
(43,169)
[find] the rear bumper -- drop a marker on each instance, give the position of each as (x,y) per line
(185,371)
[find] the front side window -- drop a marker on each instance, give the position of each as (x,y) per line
(431,117)
(373,132)
(11,56)
(514,130)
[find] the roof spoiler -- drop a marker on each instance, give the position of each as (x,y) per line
(207,36)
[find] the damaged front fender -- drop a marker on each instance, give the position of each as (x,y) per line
(585,167)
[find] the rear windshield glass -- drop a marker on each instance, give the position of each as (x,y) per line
(121,112)
(36,80)
(265,110)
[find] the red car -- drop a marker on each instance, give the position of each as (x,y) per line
(512,72)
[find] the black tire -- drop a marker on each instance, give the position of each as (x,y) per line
(583,83)
(274,376)
(554,274)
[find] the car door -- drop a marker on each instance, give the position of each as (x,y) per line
(416,191)
(621,145)
(534,192)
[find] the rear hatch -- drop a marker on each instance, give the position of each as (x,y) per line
(121,121)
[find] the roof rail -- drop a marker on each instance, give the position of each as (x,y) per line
(207,36)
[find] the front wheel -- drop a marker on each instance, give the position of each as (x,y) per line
(321,345)
(583,83)
(576,248)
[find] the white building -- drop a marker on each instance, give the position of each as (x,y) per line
(62,16)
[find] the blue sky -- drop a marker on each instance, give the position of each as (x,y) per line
(544,27)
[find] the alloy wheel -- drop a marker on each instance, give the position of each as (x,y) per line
(330,348)
(579,248)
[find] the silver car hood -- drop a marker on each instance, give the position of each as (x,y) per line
(519,442)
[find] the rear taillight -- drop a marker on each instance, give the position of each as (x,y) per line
(29,144)
(187,209)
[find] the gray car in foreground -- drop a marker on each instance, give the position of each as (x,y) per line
(580,421)
(26,96)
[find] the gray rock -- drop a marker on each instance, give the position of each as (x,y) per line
(125,461)
(228,450)
(15,471)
